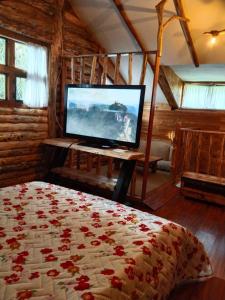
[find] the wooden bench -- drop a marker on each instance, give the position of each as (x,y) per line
(203,187)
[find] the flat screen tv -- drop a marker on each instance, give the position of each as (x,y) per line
(104,115)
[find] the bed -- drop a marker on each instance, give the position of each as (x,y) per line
(57,243)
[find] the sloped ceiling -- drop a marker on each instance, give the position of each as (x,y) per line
(103,19)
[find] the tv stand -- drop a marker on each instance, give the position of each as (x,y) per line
(61,147)
(99,146)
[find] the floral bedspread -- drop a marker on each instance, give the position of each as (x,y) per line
(57,243)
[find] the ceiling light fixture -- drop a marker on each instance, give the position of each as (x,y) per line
(214,35)
(215,32)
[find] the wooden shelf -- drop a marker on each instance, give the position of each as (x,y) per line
(203,187)
(114,153)
(61,147)
(204,178)
(92,179)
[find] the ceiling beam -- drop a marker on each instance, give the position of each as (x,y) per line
(175,82)
(186,30)
(163,83)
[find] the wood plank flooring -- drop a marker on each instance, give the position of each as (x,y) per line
(207,222)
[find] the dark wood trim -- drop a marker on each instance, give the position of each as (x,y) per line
(55,66)
(213,83)
(11,73)
(162,79)
(9,70)
(186,30)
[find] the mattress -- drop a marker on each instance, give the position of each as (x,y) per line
(57,243)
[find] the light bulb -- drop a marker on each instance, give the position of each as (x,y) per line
(213,40)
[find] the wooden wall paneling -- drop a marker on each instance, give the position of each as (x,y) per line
(221,159)
(28,19)
(98,164)
(199,151)
(51,24)
(209,154)
(165,120)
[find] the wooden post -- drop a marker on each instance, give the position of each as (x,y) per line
(93,70)
(150,127)
(104,70)
(63,82)
(130,68)
(81,69)
(72,70)
(161,28)
(117,69)
(54,66)
(143,69)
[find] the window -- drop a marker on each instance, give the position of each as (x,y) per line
(2,87)
(2,51)
(23,73)
(202,96)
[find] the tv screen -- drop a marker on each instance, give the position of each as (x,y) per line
(104,114)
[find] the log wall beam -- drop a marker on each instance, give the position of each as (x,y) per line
(186,30)
(55,65)
(163,83)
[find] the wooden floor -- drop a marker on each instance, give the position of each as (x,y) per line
(207,222)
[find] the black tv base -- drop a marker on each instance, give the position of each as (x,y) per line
(99,146)
(58,150)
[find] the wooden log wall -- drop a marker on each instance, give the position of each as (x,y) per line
(21,132)
(23,129)
(165,121)
(199,151)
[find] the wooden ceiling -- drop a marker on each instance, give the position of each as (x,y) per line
(183,44)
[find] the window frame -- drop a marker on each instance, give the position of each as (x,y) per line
(10,70)
(200,83)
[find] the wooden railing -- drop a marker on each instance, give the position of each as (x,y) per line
(198,151)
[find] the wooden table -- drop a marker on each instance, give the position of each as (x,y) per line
(61,147)
(153,160)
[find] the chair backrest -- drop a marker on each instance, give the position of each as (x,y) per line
(161,148)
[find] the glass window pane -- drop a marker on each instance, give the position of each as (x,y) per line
(20,88)
(197,96)
(20,56)
(2,51)
(2,86)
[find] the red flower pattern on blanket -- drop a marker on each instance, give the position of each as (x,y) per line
(90,247)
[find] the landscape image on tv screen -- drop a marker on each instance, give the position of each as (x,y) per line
(103,113)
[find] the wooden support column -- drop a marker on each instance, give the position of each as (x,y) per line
(81,69)
(93,70)
(187,34)
(143,69)
(55,65)
(162,26)
(104,70)
(117,69)
(162,79)
(130,68)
